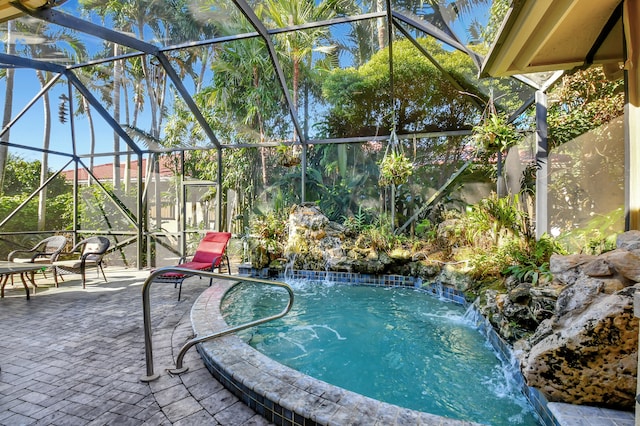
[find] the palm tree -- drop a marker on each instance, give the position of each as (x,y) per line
(59,42)
(297,46)
(94,78)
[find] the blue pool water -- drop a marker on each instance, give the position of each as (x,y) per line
(396,345)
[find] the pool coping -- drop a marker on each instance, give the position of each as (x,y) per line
(281,394)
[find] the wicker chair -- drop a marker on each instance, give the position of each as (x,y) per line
(45,252)
(90,253)
(209,256)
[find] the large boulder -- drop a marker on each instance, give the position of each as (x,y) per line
(587,351)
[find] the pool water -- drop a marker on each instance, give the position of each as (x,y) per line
(396,345)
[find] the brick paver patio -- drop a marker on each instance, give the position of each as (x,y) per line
(75,357)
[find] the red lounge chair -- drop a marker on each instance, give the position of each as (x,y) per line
(210,255)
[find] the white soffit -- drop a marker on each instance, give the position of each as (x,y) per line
(547,35)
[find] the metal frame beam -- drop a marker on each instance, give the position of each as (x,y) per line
(191,104)
(542,165)
(42,91)
(20,62)
(434,31)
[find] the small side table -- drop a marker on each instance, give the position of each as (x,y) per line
(10,268)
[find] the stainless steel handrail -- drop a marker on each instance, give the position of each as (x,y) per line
(146,309)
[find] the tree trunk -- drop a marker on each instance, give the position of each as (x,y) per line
(380,25)
(44,166)
(116,116)
(92,137)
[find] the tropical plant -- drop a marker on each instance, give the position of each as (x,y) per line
(297,46)
(395,169)
(378,235)
(494,219)
(427,230)
(268,236)
(596,236)
(531,261)
(287,157)
(495,133)
(358,98)
(356,223)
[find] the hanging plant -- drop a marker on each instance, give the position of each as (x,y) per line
(495,133)
(287,157)
(395,169)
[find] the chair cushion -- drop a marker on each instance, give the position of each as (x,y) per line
(212,247)
(75,264)
(198,266)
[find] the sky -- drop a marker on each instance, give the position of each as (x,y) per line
(29,129)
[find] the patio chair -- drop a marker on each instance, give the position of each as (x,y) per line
(209,256)
(45,252)
(90,253)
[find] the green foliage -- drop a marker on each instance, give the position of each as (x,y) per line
(355,224)
(497,13)
(268,231)
(595,237)
(26,219)
(359,98)
(497,218)
(581,102)
(501,241)
(426,230)
(495,133)
(22,178)
(378,235)
(486,265)
(531,262)
(395,169)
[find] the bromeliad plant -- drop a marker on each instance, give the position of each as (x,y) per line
(495,133)
(395,169)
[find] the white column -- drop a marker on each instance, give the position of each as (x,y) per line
(632,113)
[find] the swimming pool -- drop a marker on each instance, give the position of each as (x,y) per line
(395,345)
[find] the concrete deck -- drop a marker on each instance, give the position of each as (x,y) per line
(71,356)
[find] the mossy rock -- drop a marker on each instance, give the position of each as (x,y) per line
(400,255)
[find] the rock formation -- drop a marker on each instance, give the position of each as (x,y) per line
(586,352)
(576,337)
